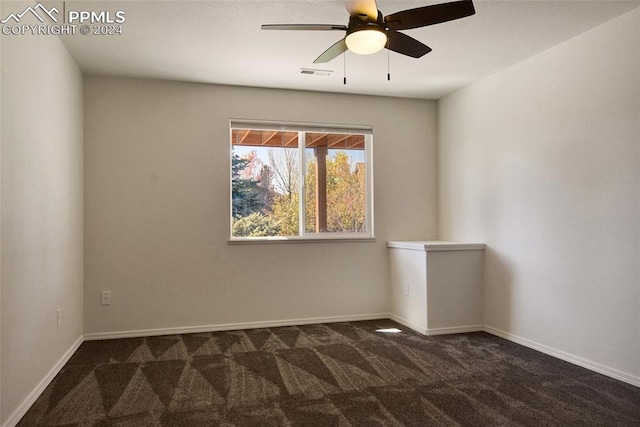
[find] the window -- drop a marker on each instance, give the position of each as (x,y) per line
(293,182)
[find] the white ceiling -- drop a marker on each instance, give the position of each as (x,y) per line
(218,41)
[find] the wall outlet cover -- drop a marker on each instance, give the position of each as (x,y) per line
(105,298)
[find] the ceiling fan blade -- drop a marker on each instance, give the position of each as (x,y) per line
(402,43)
(429,15)
(334,51)
(363,7)
(304,27)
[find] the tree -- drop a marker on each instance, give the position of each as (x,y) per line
(244,192)
(255,170)
(256,225)
(346,193)
(283,164)
(252,167)
(285,212)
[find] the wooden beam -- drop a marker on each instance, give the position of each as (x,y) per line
(293,141)
(316,140)
(270,137)
(356,142)
(337,139)
(244,136)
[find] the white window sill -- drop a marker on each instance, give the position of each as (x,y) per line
(328,239)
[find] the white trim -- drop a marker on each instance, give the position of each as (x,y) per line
(408,324)
(436,331)
(302,130)
(576,360)
(231,326)
(435,246)
(340,238)
(369,202)
(299,126)
(302,193)
(37,391)
(455,330)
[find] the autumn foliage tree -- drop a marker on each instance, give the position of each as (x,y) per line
(346,192)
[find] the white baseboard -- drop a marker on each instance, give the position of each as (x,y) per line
(436,331)
(455,330)
(576,360)
(36,392)
(408,324)
(231,326)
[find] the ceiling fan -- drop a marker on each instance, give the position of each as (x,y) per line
(368,31)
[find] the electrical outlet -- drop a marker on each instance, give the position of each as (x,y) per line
(406,289)
(59,317)
(105,298)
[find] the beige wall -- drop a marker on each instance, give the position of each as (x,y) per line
(41,212)
(157,207)
(542,163)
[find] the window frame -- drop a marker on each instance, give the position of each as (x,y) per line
(302,129)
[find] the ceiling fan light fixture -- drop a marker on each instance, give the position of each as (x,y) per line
(366,41)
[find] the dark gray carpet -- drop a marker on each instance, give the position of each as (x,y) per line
(340,374)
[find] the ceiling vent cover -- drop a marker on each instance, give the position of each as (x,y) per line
(314,72)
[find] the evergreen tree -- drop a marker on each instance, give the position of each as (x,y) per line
(245,193)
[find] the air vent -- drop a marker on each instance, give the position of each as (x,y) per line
(313,72)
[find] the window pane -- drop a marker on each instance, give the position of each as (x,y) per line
(269,174)
(264,169)
(335,183)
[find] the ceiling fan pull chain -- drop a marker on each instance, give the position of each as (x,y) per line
(388,66)
(344,71)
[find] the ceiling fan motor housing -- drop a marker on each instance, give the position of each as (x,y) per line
(363,22)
